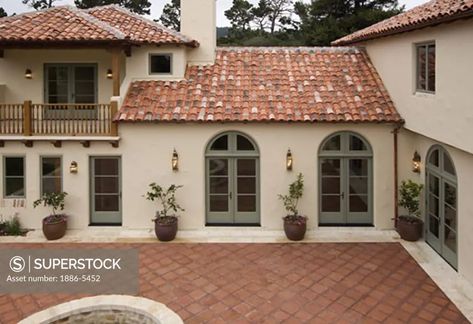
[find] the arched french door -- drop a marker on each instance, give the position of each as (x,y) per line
(441,204)
(345,180)
(232,180)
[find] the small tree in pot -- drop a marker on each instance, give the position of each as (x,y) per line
(165,225)
(295,225)
(54,225)
(410,226)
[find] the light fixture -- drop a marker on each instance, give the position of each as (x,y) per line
(289,160)
(109,74)
(74,167)
(416,163)
(28,74)
(175,161)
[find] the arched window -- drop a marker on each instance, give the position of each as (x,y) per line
(441,206)
(345,182)
(232,180)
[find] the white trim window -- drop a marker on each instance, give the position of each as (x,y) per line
(14,177)
(425,70)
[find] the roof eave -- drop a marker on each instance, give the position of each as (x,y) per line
(428,23)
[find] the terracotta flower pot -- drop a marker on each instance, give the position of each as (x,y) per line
(295,227)
(54,227)
(165,228)
(410,228)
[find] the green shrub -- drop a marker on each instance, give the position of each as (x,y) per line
(410,197)
(291,200)
(11,227)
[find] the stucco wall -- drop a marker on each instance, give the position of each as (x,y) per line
(19,89)
(411,142)
(446,115)
(146,157)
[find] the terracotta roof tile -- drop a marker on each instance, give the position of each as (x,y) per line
(267,84)
(430,13)
(100,24)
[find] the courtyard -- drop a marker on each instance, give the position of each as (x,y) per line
(272,283)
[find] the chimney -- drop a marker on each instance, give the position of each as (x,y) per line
(199,22)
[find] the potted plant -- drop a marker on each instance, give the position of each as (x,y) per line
(55,225)
(410,226)
(295,225)
(165,225)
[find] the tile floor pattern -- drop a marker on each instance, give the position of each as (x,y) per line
(273,283)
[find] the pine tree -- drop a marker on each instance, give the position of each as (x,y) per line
(171,16)
(39,4)
(3,12)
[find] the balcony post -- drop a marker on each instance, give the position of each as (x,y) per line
(116,70)
(27,120)
(113,112)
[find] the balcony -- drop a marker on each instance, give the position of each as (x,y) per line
(30,122)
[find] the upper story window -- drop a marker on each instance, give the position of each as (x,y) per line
(425,57)
(71,83)
(160,64)
(14,177)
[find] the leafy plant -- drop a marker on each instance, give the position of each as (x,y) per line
(54,200)
(291,200)
(11,227)
(166,198)
(410,197)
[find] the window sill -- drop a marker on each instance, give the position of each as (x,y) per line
(424,94)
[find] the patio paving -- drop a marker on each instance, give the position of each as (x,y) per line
(273,283)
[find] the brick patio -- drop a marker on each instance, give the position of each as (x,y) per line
(272,283)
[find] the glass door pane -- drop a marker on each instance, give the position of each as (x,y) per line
(331,193)
(358,190)
(106,190)
(449,206)
(434,205)
(85,87)
(219,185)
(57,84)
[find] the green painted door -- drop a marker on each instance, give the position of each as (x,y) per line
(441,205)
(105,180)
(344,191)
(232,195)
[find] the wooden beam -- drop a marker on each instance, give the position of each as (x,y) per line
(28,143)
(113,112)
(2,53)
(115,144)
(128,51)
(27,129)
(57,143)
(2,143)
(85,143)
(116,52)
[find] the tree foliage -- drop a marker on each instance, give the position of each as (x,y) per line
(3,13)
(291,200)
(40,4)
(171,16)
(141,7)
(409,197)
(165,197)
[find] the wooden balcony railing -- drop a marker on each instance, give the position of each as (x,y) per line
(30,119)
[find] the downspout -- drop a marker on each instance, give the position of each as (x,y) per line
(396,173)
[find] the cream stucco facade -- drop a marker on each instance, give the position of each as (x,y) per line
(146,150)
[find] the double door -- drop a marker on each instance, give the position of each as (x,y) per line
(232,191)
(345,191)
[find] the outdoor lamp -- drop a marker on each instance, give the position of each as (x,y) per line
(175,161)
(28,74)
(109,74)
(73,168)
(289,160)
(416,163)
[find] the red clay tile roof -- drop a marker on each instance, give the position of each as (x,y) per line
(431,13)
(101,24)
(267,84)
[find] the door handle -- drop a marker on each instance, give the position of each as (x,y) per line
(230,195)
(342,195)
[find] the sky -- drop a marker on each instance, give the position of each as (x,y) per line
(16,6)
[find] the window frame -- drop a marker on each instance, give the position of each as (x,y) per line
(5,157)
(71,96)
(171,57)
(425,45)
(42,176)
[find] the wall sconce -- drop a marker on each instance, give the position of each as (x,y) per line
(28,74)
(416,163)
(109,74)
(74,167)
(175,161)
(289,160)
